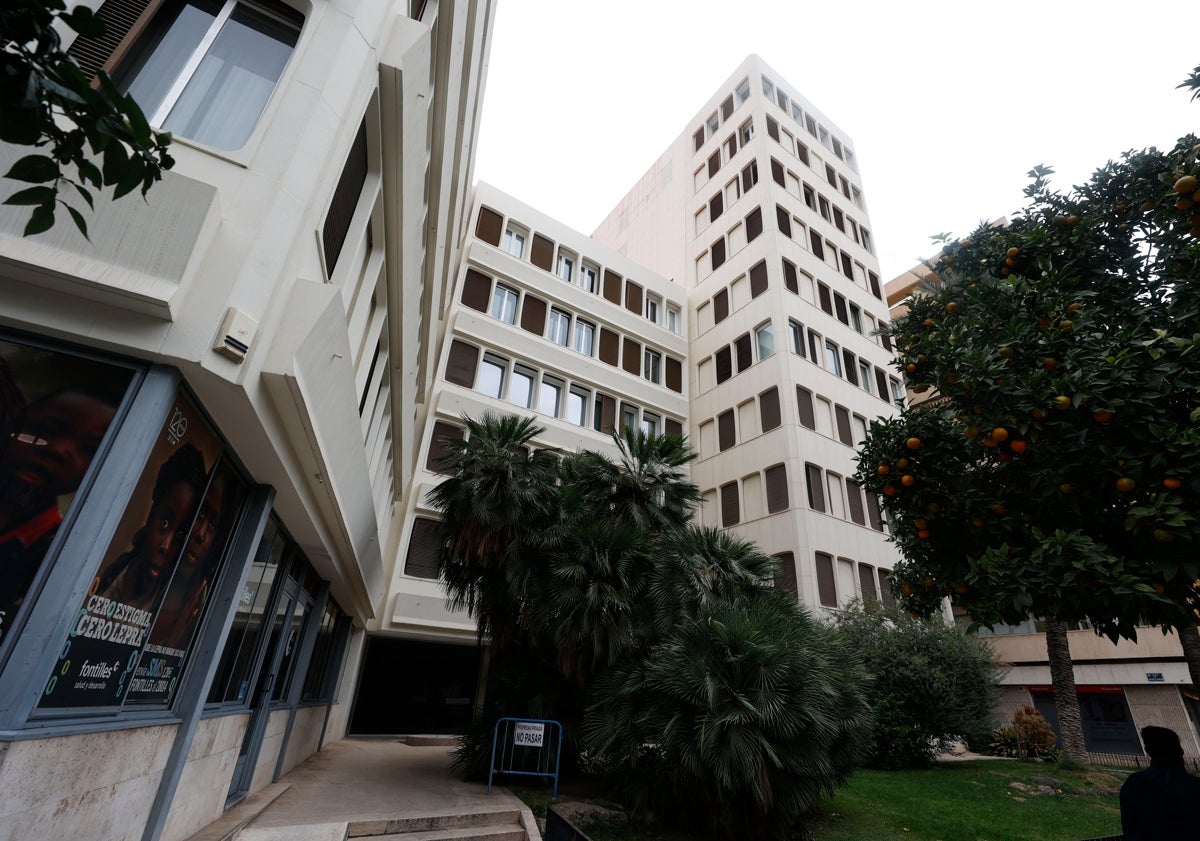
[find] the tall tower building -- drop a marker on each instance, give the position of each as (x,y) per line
(759,212)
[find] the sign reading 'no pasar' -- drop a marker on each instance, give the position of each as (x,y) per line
(528,734)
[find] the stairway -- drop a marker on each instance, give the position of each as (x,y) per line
(494,825)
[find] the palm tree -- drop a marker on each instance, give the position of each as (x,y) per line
(646,487)
(500,491)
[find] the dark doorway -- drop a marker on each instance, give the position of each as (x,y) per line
(415,687)
(1107,724)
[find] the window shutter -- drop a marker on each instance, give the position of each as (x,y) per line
(777,488)
(460,366)
(612,287)
(608,413)
(783,220)
(632,357)
(345,199)
(673,427)
(422,558)
(789,277)
(488,226)
(843,425)
(826,591)
(854,496)
(823,295)
(438,450)
(839,304)
(866,578)
(633,297)
(674,375)
(847,265)
(874,517)
(818,249)
(717,253)
(477,290)
(758,278)
(714,163)
(874,279)
(804,402)
(754,224)
(720,306)
(533,315)
(768,409)
(542,254)
(724,362)
(716,206)
(785,574)
(745,353)
(772,129)
(123,20)
(850,364)
(730,509)
(726,437)
(816,490)
(882,384)
(610,347)
(777,172)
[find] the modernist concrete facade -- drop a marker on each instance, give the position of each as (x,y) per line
(210,410)
(757,210)
(1122,686)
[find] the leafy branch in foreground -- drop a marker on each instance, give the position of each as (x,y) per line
(48,103)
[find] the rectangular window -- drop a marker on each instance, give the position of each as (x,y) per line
(810,197)
(745,357)
(629,416)
(504,304)
(565,267)
(802,153)
(850,366)
(856,318)
(712,124)
(717,253)
(804,402)
(716,206)
(817,248)
(839,305)
(652,366)
(796,336)
(513,242)
(864,376)
(764,338)
(758,278)
(775,478)
(783,220)
(881,384)
(726,436)
(730,509)
(749,176)
(874,516)
(742,92)
(724,362)
(491,375)
(651,424)
(585,337)
(866,579)
(206,70)
(550,396)
(754,224)
(577,405)
(720,306)
(823,203)
(769,415)
(768,88)
(520,390)
(825,298)
(673,319)
(854,498)
(833,359)
(714,163)
(772,129)
(790,281)
(842,416)
(815,486)
(814,347)
(826,592)
(559,331)
(588,277)
(727,108)
(653,307)
(746,132)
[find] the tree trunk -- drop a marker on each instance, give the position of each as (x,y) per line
(1189,637)
(1066,703)
(481,681)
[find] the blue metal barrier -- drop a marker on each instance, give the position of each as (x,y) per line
(526,747)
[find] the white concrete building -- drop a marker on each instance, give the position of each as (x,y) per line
(210,410)
(758,211)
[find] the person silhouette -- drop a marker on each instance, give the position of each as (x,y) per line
(1159,803)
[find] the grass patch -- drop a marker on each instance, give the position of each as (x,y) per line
(954,801)
(973,801)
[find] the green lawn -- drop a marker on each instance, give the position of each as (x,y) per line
(955,801)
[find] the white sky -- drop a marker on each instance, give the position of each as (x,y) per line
(947,103)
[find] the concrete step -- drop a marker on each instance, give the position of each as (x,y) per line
(433,822)
(494,832)
(308,832)
(237,817)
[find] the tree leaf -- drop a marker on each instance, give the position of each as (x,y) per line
(31,195)
(80,222)
(41,220)
(34,169)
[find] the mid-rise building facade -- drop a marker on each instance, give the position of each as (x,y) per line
(758,211)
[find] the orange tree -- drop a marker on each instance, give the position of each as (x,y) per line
(1057,472)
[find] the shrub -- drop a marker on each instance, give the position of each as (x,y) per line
(931,683)
(736,724)
(1028,737)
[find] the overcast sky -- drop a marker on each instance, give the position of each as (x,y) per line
(947,103)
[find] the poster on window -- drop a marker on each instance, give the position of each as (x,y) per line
(55,409)
(102,661)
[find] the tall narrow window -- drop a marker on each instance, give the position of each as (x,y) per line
(565,266)
(550,396)
(559,331)
(652,366)
(520,390)
(513,242)
(796,336)
(764,337)
(585,337)
(504,304)
(815,486)
(577,405)
(205,69)
(491,375)
(587,277)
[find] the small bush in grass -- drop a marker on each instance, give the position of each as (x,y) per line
(1028,737)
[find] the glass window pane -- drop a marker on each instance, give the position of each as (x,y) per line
(491,378)
(521,390)
(766,340)
(229,90)
(166,47)
(549,398)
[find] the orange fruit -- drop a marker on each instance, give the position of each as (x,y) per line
(1125,484)
(1005,353)
(929,322)
(961,588)
(911,368)
(976,521)
(921,523)
(902,463)
(923,534)
(933,508)
(998,509)
(1187,184)
(883,470)
(913,443)
(906,590)
(1037,414)
(1072,220)
(1014,251)
(988,441)
(1000,434)
(927,581)
(908,480)
(889,490)
(1017,446)
(971,431)
(951,307)
(1103,416)
(1049,363)
(1066,488)
(1062,402)
(1172,484)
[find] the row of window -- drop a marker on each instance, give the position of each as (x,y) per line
(797,149)
(572,268)
(713,122)
(775,94)
(527,387)
(768,492)
(837,583)
(814,412)
(810,239)
(723,154)
(842,363)
(564,328)
(818,203)
(727,196)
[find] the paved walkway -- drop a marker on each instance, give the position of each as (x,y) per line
(370,779)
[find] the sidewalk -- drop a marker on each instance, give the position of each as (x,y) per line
(360,780)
